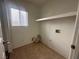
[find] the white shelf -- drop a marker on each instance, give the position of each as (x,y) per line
(58,16)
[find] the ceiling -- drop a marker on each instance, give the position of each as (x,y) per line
(38,2)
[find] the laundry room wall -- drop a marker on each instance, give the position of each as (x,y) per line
(22,35)
(60,42)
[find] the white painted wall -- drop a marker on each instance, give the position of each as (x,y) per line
(23,35)
(55,7)
(60,42)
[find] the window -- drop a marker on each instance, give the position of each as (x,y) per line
(19,17)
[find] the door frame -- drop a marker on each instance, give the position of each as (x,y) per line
(73,52)
(5,24)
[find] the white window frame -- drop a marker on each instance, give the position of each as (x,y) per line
(20,18)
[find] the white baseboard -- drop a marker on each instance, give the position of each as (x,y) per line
(20,44)
(53,48)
